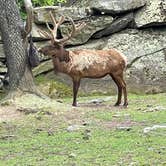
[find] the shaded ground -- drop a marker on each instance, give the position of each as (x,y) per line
(46,132)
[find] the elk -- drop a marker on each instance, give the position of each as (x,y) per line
(80,64)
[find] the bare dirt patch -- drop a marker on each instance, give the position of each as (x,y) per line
(8,113)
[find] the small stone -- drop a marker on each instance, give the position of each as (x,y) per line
(86,134)
(126,128)
(72,155)
(50,132)
(154,127)
(73,128)
(96,101)
(116,116)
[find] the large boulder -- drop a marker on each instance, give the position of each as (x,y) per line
(93,24)
(44,67)
(41,14)
(111,7)
(116,26)
(146,69)
(154,13)
(95,44)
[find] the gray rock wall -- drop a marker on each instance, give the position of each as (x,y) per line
(135,27)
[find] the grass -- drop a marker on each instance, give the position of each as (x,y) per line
(41,139)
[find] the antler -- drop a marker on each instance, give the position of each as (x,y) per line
(53,32)
(56,24)
(75,28)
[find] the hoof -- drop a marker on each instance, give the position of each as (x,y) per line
(117,104)
(74,105)
(125,105)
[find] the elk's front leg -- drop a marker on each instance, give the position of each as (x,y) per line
(76,84)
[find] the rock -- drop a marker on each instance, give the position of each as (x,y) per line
(43,68)
(155,109)
(50,132)
(72,155)
(126,128)
(93,24)
(99,101)
(116,26)
(153,90)
(41,14)
(74,128)
(86,134)
(155,127)
(154,13)
(3,70)
(91,44)
(144,71)
(111,7)
(1,64)
(96,101)
(2,55)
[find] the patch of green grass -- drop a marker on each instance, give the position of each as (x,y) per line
(63,90)
(55,86)
(42,139)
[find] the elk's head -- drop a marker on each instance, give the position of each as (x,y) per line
(56,47)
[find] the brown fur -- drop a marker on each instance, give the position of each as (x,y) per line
(89,64)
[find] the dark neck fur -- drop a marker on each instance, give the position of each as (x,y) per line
(64,54)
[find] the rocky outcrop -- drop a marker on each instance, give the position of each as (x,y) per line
(116,26)
(154,13)
(93,25)
(41,14)
(146,69)
(111,7)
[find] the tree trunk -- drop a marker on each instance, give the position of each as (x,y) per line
(15,48)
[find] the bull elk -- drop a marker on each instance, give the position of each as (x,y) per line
(84,63)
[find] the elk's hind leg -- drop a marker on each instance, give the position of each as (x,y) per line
(117,82)
(125,93)
(122,83)
(76,84)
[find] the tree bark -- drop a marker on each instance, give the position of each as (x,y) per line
(15,47)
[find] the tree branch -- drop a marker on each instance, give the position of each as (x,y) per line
(29,20)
